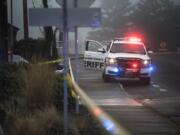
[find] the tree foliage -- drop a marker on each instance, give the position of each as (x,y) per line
(29,48)
(116,15)
(156,20)
(49,37)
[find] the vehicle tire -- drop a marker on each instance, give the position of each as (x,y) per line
(105,78)
(146,80)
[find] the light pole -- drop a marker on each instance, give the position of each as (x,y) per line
(3,31)
(11,34)
(76,57)
(25,17)
(65,54)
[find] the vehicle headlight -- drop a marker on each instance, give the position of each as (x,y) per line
(146,63)
(111,61)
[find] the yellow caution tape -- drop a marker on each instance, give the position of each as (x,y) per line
(74,95)
(52,61)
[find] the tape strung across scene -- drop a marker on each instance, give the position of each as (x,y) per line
(52,61)
(58,60)
(108,123)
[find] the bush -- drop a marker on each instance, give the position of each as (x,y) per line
(31,95)
(9,83)
(28,48)
(38,86)
(59,98)
(41,122)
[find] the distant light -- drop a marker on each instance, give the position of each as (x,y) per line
(109,125)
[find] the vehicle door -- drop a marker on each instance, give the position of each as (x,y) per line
(94,54)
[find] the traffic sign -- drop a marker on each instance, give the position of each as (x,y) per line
(81,17)
(81,3)
(163,47)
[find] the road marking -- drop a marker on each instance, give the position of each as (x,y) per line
(90,75)
(163,90)
(117,101)
(88,78)
(156,86)
(134,102)
(123,90)
(152,82)
(147,100)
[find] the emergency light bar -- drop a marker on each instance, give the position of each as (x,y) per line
(132,39)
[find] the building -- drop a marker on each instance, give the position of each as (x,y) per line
(15,30)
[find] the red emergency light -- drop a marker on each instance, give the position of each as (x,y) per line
(135,65)
(134,39)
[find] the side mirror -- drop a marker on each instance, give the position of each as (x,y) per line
(150,52)
(102,50)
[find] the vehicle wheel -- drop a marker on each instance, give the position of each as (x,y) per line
(105,78)
(146,80)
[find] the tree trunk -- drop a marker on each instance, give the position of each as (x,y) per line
(49,36)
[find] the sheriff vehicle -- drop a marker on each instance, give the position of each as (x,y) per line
(121,58)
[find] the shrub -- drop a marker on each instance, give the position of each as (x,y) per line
(59,98)
(38,86)
(9,83)
(36,90)
(50,120)
(28,48)
(41,122)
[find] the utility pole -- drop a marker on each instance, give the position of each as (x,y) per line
(76,57)
(11,36)
(65,54)
(25,17)
(3,31)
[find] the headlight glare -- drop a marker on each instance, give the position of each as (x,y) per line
(111,61)
(146,63)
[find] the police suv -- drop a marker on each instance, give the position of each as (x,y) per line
(122,58)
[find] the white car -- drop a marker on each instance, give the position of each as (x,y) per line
(123,58)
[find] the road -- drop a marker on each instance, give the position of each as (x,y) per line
(143,110)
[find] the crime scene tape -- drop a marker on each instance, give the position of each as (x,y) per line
(52,61)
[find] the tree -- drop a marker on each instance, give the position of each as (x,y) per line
(30,48)
(159,21)
(49,37)
(114,20)
(154,20)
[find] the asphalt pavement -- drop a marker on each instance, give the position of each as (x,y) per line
(143,110)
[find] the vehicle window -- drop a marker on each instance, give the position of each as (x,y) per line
(93,47)
(108,47)
(127,48)
(106,44)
